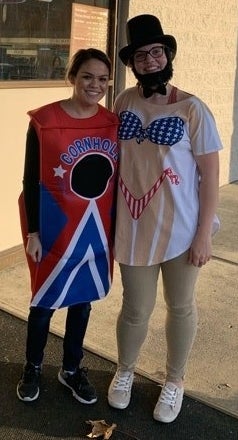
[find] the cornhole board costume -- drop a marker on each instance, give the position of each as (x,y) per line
(78,172)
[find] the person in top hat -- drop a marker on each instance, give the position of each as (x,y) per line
(166,205)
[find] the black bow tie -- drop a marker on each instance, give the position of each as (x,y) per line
(148,91)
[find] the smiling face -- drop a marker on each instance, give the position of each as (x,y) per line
(91,82)
(150,58)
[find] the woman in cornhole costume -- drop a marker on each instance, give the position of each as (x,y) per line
(167,198)
(67,212)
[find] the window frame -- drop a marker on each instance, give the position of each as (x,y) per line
(56,83)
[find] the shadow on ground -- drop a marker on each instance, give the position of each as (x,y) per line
(57,415)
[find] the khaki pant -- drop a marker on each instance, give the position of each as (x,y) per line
(139,296)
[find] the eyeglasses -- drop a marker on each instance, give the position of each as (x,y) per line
(155,52)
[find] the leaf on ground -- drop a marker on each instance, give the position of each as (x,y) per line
(223,385)
(100,428)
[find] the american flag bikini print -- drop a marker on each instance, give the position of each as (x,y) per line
(137,206)
(165,131)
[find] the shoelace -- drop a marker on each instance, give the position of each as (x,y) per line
(80,376)
(32,375)
(122,383)
(168,396)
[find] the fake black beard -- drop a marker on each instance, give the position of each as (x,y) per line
(154,82)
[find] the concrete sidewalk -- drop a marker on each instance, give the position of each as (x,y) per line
(212,372)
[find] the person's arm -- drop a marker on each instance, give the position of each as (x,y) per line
(201,247)
(31,192)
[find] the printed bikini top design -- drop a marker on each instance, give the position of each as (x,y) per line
(163,131)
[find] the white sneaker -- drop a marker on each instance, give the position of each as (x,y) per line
(169,403)
(119,392)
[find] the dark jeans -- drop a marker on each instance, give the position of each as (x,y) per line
(75,329)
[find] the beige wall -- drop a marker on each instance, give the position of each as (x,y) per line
(14,121)
(206,63)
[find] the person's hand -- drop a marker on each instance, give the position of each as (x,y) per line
(34,248)
(201,250)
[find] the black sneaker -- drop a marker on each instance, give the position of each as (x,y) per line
(78,382)
(28,388)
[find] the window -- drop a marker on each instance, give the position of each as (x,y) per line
(35,38)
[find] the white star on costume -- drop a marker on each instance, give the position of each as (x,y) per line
(59,171)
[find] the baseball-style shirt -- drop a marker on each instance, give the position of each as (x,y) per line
(158,204)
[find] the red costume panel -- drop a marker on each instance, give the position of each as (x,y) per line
(78,171)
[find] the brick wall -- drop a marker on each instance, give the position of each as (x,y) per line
(206,61)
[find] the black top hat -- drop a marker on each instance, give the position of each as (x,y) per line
(145,29)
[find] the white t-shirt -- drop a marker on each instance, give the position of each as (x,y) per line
(157,211)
